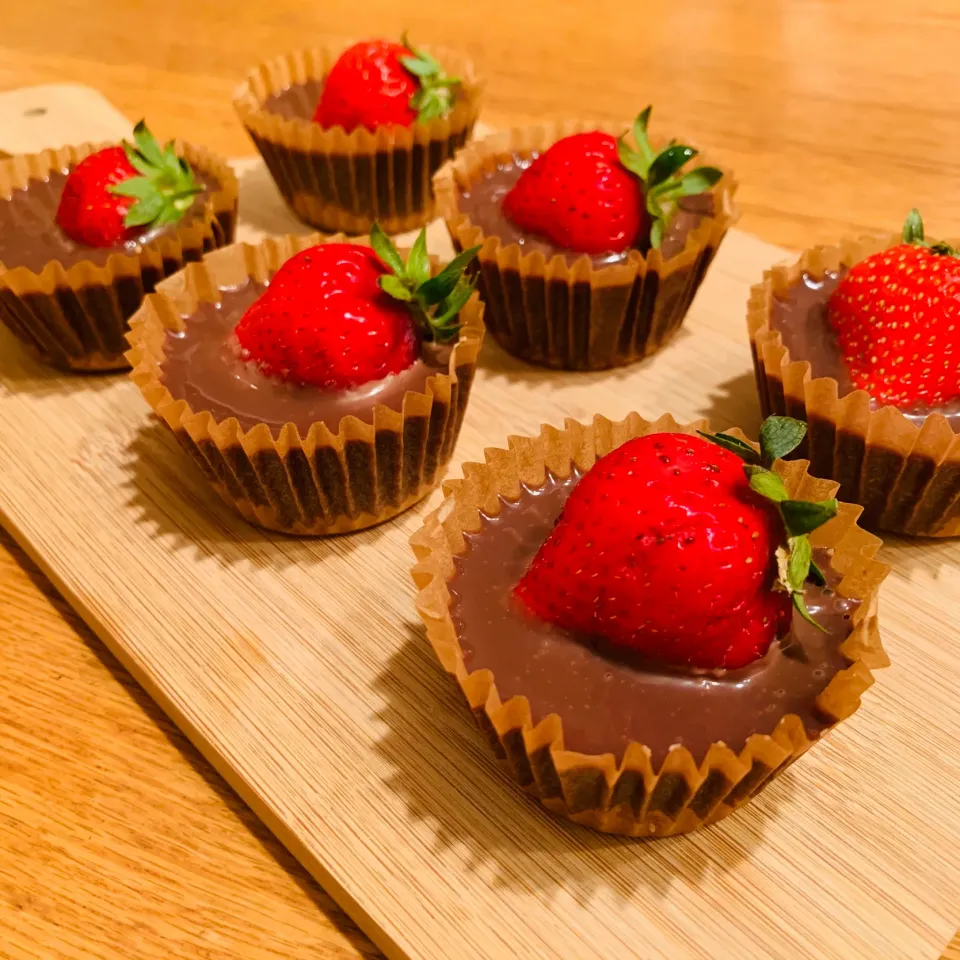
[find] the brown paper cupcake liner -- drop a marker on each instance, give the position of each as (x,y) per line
(630,797)
(343,182)
(76,318)
(325,482)
(576,316)
(906,477)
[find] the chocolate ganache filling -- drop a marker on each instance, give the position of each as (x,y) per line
(298,102)
(202,365)
(608,698)
(483,203)
(31,238)
(801,318)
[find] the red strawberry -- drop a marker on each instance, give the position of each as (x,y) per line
(120,193)
(672,547)
(340,314)
(378,82)
(594,194)
(897,319)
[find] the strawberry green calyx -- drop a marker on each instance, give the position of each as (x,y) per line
(165,189)
(435,96)
(435,301)
(778,437)
(663,183)
(913,234)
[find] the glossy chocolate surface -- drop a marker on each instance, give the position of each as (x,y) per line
(30,237)
(299,101)
(605,698)
(800,317)
(484,200)
(203,366)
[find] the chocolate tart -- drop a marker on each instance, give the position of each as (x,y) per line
(611,743)
(70,304)
(338,181)
(562,309)
(294,459)
(902,467)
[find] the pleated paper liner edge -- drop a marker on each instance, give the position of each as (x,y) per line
(634,308)
(847,441)
(76,318)
(343,182)
(630,798)
(325,482)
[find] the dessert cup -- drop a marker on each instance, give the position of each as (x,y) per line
(627,791)
(343,182)
(320,480)
(904,471)
(574,312)
(75,317)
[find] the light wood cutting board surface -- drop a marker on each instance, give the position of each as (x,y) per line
(839,115)
(323,707)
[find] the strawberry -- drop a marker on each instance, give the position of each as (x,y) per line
(672,547)
(338,315)
(897,319)
(594,194)
(379,82)
(120,193)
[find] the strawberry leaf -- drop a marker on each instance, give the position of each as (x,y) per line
(780,436)
(766,483)
(633,161)
(640,125)
(431,104)
(657,230)
(740,447)
(418,261)
(383,247)
(660,174)
(140,188)
(804,516)
(798,564)
(800,606)
(669,162)
(393,285)
(440,287)
(418,67)
(448,311)
(143,212)
(913,234)
(816,575)
(913,228)
(435,302)
(166,187)
(699,181)
(435,97)
(794,562)
(147,146)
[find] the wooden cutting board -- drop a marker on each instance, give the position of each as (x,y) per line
(299,669)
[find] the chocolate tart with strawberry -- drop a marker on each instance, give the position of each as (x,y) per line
(649,622)
(863,342)
(353,134)
(593,244)
(87,231)
(320,384)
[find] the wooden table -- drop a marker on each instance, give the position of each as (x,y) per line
(116,838)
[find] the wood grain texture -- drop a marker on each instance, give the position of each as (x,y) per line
(953,949)
(321,704)
(826,110)
(116,837)
(837,117)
